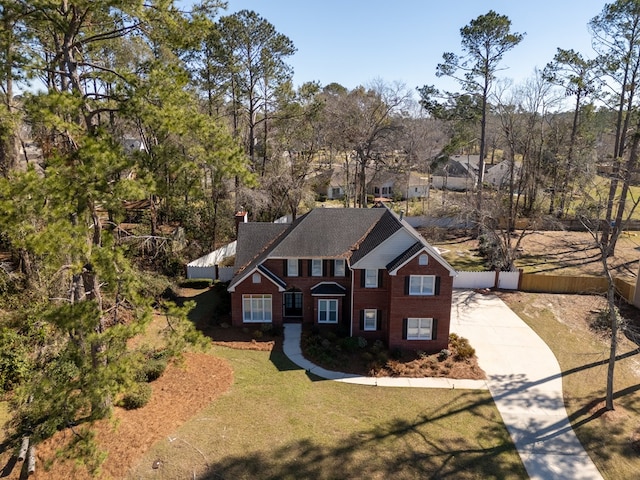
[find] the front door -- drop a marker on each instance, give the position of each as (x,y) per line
(293,304)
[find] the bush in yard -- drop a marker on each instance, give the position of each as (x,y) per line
(444,354)
(462,350)
(349,344)
(137,397)
(153,370)
(602,323)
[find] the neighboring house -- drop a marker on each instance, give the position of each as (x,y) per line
(459,173)
(329,184)
(364,272)
(389,185)
(386,184)
(419,185)
(499,175)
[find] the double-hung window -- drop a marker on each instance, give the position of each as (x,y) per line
(371,278)
(422,284)
(419,328)
(316,267)
(370,319)
(256,308)
(327,311)
(292,267)
(339,267)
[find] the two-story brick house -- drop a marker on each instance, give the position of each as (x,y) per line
(365,270)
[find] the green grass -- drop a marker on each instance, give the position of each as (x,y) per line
(606,437)
(461,253)
(4,417)
(277,422)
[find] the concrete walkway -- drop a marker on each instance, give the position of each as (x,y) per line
(523,377)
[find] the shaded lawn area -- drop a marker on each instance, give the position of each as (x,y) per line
(278,422)
(612,439)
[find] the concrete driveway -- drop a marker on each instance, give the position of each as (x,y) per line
(525,381)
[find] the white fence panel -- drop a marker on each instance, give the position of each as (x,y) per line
(201,272)
(474,280)
(225,274)
(508,280)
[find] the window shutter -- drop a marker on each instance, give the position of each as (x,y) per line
(379,320)
(285,267)
(434,329)
(361,320)
(406,285)
(404,328)
(437,286)
(363,275)
(300,268)
(309,268)
(380,272)
(332,268)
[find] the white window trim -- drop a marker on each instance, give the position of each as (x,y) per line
(420,328)
(263,315)
(339,261)
(375,320)
(373,284)
(422,291)
(256,278)
(292,267)
(316,267)
(328,302)
(425,257)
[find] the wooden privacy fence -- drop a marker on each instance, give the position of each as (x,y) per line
(541,283)
(535,282)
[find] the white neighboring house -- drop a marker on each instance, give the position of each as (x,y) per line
(419,185)
(459,173)
(499,175)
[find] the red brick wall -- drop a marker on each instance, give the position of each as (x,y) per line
(377,298)
(265,287)
(303,282)
(405,306)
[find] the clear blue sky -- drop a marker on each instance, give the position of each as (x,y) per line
(353,42)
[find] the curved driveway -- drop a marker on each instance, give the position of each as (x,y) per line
(523,377)
(525,381)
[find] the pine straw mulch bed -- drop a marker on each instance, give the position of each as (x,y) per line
(328,351)
(178,394)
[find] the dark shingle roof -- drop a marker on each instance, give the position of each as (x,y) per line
(404,256)
(254,239)
(327,233)
(386,226)
(278,281)
(328,289)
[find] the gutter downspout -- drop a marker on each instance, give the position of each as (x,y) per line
(351,307)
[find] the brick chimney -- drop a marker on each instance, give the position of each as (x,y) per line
(240,217)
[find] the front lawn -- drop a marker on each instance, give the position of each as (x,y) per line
(277,421)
